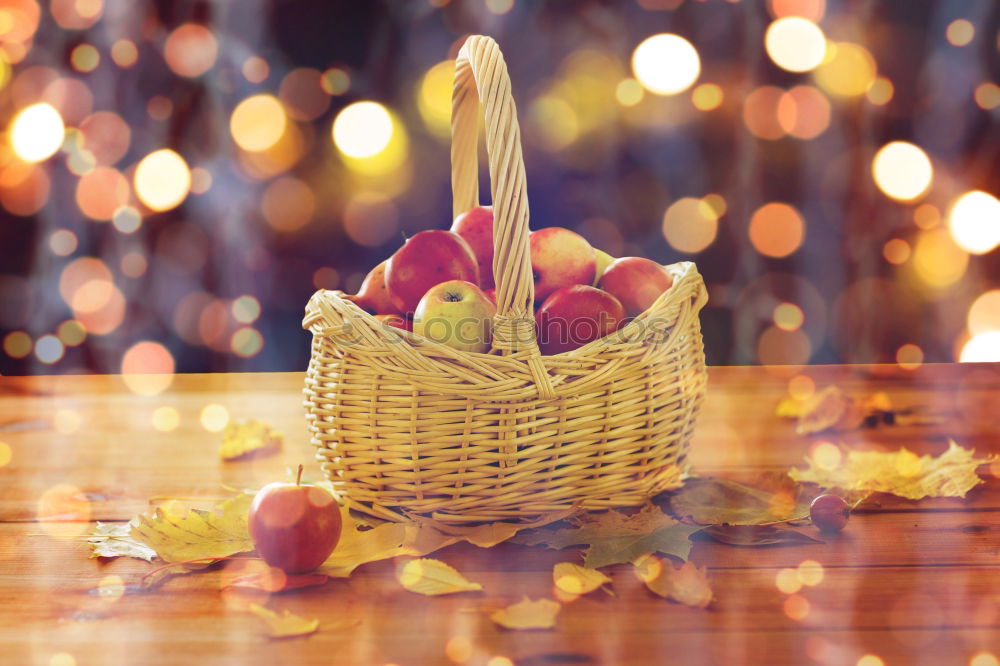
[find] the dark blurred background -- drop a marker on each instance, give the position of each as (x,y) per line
(177,177)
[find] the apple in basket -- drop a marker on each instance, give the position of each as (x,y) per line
(560,258)
(603,260)
(456,313)
(427,259)
(636,282)
(575,315)
(294,527)
(373,296)
(399,321)
(476,227)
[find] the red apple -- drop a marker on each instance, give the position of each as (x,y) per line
(427,259)
(476,227)
(575,315)
(372,296)
(636,282)
(294,527)
(560,258)
(491,294)
(399,321)
(456,313)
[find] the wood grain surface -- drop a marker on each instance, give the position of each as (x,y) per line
(909,582)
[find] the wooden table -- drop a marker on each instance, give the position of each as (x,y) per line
(912,583)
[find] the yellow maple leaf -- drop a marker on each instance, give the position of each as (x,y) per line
(686,584)
(902,472)
(252,438)
(178,535)
(285,624)
(433,577)
(573,579)
(357,547)
(528,614)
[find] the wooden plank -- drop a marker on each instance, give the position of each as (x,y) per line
(904,614)
(120,460)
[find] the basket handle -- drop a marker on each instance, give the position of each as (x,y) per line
(481,75)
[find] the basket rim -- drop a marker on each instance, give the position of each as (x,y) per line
(681,270)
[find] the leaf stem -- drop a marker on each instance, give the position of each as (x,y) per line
(298,477)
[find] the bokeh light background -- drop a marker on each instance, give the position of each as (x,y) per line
(177,178)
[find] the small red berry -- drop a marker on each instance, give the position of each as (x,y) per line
(829,513)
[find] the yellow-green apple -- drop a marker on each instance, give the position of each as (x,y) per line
(427,259)
(560,258)
(573,316)
(603,260)
(399,321)
(636,282)
(373,296)
(476,227)
(294,527)
(456,313)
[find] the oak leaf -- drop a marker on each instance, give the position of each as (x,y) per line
(248,439)
(528,614)
(613,537)
(686,584)
(433,577)
(115,540)
(902,472)
(177,536)
(573,579)
(285,624)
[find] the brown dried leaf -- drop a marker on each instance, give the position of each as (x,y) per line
(757,535)
(713,501)
(276,580)
(528,614)
(686,584)
(490,534)
(902,472)
(614,537)
(823,410)
(433,577)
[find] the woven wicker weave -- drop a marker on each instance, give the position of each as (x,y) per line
(405,425)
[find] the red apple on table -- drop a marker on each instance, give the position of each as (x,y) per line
(476,227)
(456,313)
(603,260)
(427,259)
(575,315)
(636,282)
(373,296)
(398,321)
(560,258)
(294,527)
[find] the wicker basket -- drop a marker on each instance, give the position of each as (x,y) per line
(405,425)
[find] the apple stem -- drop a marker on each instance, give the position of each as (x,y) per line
(298,477)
